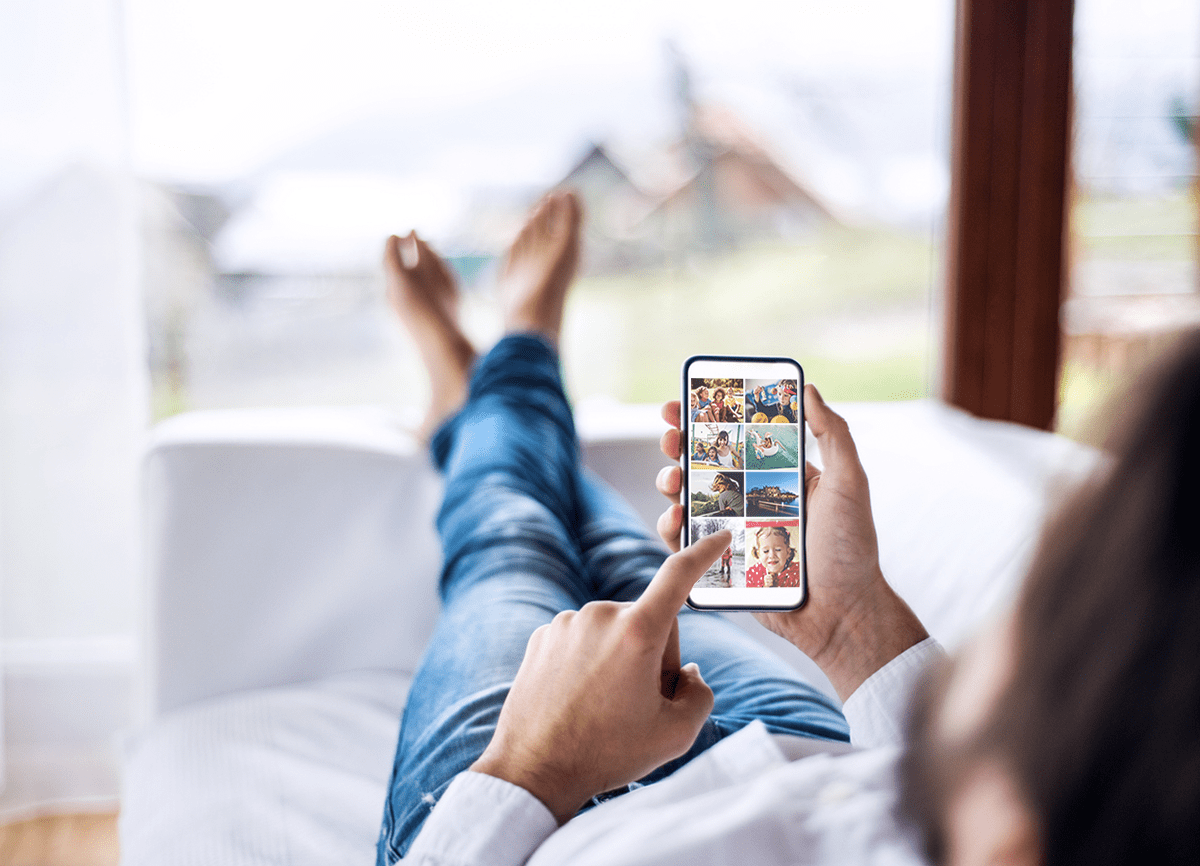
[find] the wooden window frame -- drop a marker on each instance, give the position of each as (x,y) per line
(1007,217)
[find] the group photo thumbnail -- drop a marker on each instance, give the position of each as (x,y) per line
(717,446)
(717,401)
(772,401)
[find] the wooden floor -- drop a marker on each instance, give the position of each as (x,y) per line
(61,840)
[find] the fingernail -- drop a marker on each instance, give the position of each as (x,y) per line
(410,253)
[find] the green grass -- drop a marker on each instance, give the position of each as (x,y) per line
(166,401)
(628,335)
(1111,216)
(1142,248)
(902,377)
(1133,230)
(1083,392)
(1155,228)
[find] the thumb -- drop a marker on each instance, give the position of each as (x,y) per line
(838,452)
(693,701)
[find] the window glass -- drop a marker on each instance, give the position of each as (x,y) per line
(1134,279)
(766,178)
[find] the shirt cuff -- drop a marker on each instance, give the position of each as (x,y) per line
(878,708)
(482,820)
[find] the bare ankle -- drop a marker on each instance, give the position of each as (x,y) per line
(541,266)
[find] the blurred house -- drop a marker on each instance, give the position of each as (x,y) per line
(714,190)
(269,288)
(737,192)
(615,207)
(178,276)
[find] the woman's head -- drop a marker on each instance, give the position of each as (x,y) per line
(773,548)
(724,482)
(723,438)
(1087,743)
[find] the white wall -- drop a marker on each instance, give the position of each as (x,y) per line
(72,399)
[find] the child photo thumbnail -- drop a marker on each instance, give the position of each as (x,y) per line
(772,494)
(717,446)
(772,553)
(717,494)
(772,446)
(717,401)
(730,567)
(772,401)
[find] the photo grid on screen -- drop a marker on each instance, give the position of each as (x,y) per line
(743,464)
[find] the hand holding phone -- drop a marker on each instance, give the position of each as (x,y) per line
(742,462)
(841,556)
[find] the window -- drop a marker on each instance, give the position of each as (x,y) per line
(1134,281)
(767,183)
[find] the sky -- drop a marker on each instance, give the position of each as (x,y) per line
(353,117)
(266,74)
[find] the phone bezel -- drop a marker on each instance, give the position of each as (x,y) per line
(744,599)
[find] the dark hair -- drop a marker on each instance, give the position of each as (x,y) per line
(1099,727)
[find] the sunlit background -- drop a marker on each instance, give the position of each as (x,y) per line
(194,197)
(753,183)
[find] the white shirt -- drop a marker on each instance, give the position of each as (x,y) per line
(753,798)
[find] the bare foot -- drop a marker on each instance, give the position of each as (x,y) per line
(540,267)
(422,292)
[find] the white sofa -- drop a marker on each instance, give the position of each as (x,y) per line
(292,565)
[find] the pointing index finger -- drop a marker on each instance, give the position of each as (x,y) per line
(670,587)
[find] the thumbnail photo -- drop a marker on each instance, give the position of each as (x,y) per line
(772,446)
(716,401)
(773,494)
(730,567)
(717,446)
(772,401)
(716,494)
(772,553)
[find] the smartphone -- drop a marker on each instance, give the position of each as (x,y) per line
(743,470)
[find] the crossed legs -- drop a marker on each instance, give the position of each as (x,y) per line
(526,533)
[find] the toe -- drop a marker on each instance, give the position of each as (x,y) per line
(569,210)
(410,251)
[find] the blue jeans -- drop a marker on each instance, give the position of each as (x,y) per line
(526,533)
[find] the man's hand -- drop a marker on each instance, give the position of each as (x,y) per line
(853,622)
(600,699)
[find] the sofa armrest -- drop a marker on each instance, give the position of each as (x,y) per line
(290,544)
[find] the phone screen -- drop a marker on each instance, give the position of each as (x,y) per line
(743,470)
